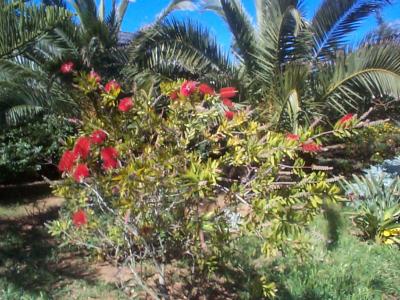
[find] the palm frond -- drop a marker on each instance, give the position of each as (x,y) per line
(176,43)
(16,18)
(372,71)
(242,30)
(283,37)
(21,112)
(334,20)
(176,5)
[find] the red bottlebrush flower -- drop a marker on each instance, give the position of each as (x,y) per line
(229,114)
(110,164)
(205,89)
(79,218)
(346,118)
(228,92)
(228,102)
(311,147)
(82,147)
(292,137)
(94,76)
(112,86)
(81,172)
(109,153)
(67,67)
(188,88)
(67,161)
(173,95)
(98,136)
(125,104)
(109,156)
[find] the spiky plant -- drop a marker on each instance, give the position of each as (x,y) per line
(293,68)
(376,205)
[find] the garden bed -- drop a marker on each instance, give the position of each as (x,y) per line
(34,267)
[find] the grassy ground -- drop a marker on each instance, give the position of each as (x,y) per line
(31,264)
(338,266)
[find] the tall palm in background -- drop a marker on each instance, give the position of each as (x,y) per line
(21,26)
(292,68)
(90,41)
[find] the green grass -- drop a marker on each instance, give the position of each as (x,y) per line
(343,269)
(354,270)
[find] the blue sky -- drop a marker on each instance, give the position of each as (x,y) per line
(142,12)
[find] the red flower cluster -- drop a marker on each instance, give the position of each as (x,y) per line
(229,114)
(292,137)
(109,156)
(188,88)
(98,136)
(345,119)
(125,104)
(205,89)
(67,67)
(82,147)
(79,218)
(228,102)
(67,161)
(81,172)
(311,147)
(93,76)
(81,150)
(112,86)
(228,92)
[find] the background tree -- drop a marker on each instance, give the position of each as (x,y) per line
(15,40)
(293,68)
(32,81)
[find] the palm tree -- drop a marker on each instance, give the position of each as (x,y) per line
(91,42)
(21,25)
(292,68)
(17,17)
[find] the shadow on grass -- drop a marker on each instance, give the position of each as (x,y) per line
(30,260)
(23,193)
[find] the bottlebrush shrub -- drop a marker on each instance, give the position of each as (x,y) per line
(374,144)
(186,179)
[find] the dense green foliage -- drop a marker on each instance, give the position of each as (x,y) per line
(173,172)
(16,17)
(32,148)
